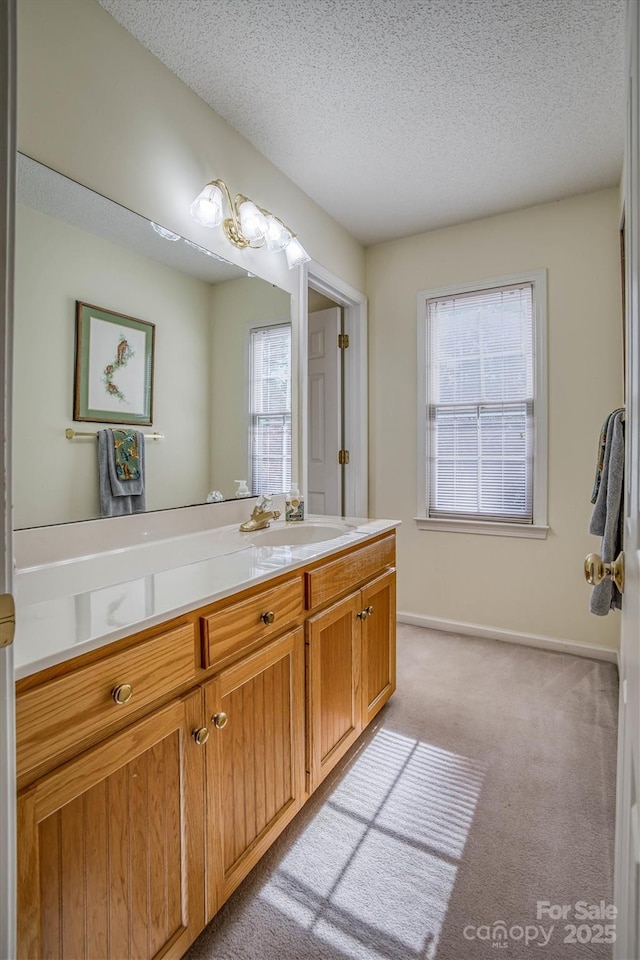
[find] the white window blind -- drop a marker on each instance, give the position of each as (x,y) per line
(480,405)
(270,408)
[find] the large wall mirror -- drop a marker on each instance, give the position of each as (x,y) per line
(217,329)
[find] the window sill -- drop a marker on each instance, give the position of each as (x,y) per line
(490,528)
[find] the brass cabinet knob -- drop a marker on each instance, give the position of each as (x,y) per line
(122,694)
(362,615)
(268,618)
(596,570)
(368,611)
(201,736)
(220,720)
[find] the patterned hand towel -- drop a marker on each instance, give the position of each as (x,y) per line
(126,454)
(119,497)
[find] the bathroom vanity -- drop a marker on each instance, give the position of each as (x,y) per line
(157,766)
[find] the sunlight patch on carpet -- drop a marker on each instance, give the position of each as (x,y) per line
(376,867)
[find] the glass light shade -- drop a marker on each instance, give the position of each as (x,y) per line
(296,254)
(164,233)
(208,253)
(207,207)
(253,224)
(277,235)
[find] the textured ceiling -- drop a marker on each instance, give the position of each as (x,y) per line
(399,116)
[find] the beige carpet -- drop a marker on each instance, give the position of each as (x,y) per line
(486,785)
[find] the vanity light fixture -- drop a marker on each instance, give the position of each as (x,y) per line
(248,224)
(207,253)
(170,235)
(164,233)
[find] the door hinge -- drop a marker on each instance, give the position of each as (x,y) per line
(343,341)
(343,457)
(7,619)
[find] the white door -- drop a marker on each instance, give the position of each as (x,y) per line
(325,414)
(627,888)
(7,703)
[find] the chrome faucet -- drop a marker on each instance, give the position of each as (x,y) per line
(260,516)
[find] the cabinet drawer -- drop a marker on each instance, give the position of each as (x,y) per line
(232,629)
(52,718)
(333,579)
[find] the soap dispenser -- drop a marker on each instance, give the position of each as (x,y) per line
(294,504)
(243,489)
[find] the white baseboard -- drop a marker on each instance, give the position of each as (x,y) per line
(510,636)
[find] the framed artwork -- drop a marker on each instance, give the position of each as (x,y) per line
(114,367)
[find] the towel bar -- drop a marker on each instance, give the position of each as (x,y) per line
(72,434)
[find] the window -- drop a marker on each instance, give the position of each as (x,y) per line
(270,408)
(483,407)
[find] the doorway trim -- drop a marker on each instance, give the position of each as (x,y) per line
(626,882)
(356,410)
(7,684)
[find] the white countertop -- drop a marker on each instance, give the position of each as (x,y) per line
(65,608)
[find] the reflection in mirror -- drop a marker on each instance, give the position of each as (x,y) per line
(222,371)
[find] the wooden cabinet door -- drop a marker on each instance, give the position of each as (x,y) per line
(111,845)
(334,715)
(378,645)
(255,759)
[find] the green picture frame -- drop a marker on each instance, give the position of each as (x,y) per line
(113,367)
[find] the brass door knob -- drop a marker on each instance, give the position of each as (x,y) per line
(122,694)
(220,720)
(268,618)
(596,570)
(201,736)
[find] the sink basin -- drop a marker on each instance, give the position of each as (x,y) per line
(296,534)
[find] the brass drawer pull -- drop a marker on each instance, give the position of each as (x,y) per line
(122,694)
(268,618)
(201,736)
(220,720)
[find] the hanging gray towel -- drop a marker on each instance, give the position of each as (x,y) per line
(602,442)
(607,520)
(118,498)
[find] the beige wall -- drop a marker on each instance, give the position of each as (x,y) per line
(56,480)
(528,586)
(318,301)
(234,305)
(94,104)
